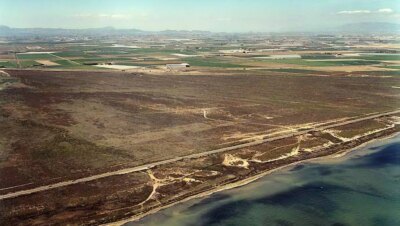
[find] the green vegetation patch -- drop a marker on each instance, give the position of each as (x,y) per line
(380,57)
(8,64)
(44,56)
(70,65)
(211,62)
(99,59)
(74,54)
(318,56)
(112,52)
(326,63)
(394,67)
(162,51)
(29,63)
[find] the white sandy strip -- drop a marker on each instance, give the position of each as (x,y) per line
(4,73)
(345,59)
(118,67)
(184,55)
(350,55)
(294,152)
(178,39)
(232,51)
(166,58)
(334,133)
(47,62)
(373,131)
(35,53)
(276,57)
(230,160)
(125,46)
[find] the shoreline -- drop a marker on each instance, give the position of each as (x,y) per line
(336,155)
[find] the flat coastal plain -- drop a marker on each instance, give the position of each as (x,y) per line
(91,147)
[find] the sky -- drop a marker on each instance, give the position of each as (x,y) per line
(211,15)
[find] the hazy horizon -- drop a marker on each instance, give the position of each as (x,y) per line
(209,15)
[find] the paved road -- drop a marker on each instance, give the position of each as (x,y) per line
(203,154)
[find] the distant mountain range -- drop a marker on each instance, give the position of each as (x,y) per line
(103,31)
(370,28)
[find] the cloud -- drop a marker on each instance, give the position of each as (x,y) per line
(101,16)
(386,10)
(363,11)
(351,12)
(113,16)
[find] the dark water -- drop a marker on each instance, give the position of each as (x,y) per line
(362,188)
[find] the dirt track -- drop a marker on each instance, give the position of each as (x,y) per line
(151,165)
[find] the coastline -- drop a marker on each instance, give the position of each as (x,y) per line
(335,155)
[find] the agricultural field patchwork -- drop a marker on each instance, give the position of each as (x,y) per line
(203,55)
(97,130)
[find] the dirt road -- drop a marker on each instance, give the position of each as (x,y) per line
(203,154)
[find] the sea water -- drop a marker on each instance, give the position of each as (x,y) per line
(361,188)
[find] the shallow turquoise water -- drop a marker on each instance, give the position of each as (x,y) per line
(362,188)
